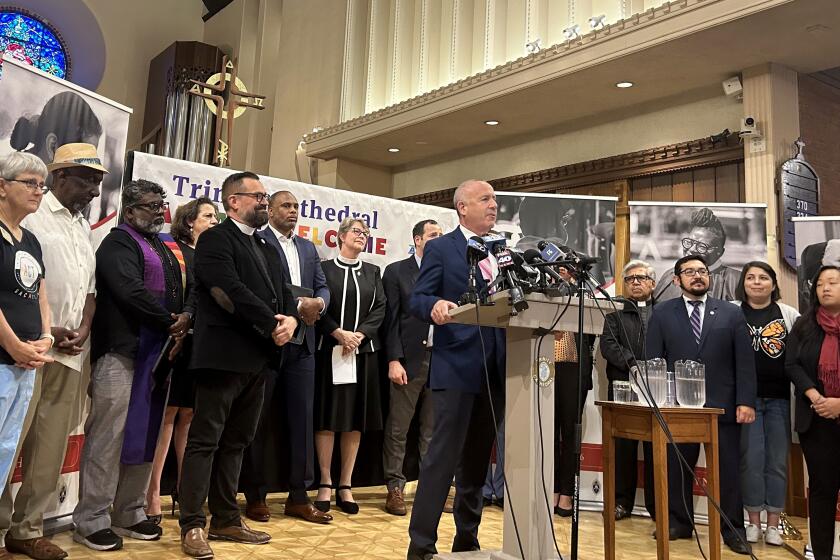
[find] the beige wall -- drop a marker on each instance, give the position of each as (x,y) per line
(136,32)
(309,69)
(694,116)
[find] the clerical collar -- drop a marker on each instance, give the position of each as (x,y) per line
(280,235)
(345,260)
(244,228)
(641,303)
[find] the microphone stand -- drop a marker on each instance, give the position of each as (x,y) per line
(471,295)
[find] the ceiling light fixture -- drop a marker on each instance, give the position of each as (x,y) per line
(597,22)
(572,32)
(624,85)
(491,123)
(393,150)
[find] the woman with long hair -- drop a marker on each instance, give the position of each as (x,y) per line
(190,221)
(765,442)
(813,364)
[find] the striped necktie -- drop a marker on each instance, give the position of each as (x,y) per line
(696,327)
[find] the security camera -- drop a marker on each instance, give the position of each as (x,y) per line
(749,127)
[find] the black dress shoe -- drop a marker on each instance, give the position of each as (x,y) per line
(738,546)
(674,533)
(621,512)
(563,512)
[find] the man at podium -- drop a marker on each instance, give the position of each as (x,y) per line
(466,374)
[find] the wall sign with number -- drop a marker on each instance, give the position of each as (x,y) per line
(799,196)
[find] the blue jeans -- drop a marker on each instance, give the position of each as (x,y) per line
(764,453)
(15,392)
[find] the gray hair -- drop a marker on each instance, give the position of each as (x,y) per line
(636,263)
(133,192)
(346,225)
(15,163)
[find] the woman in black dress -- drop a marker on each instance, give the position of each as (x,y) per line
(347,394)
(190,221)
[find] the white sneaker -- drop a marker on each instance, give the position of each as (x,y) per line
(773,536)
(753,532)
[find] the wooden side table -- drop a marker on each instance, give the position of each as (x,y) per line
(687,425)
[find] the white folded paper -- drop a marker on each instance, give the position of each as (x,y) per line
(343,367)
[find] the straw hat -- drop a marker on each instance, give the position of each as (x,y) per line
(76,155)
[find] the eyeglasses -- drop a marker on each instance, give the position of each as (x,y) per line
(359,232)
(636,278)
(700,248)
(692,272)
(152,206)
(260,197)
(31,184)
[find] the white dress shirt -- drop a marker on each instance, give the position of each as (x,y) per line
(291,253)
(70,266)
(689,308)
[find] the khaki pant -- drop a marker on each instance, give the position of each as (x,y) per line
(53,412)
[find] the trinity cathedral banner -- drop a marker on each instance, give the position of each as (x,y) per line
(41,112)
(321,208)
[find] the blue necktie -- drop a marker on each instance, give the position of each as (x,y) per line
(696,327)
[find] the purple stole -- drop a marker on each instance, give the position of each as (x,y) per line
(148,400)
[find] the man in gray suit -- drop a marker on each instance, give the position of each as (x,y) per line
(408,366)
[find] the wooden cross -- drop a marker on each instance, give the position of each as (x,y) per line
(228,99)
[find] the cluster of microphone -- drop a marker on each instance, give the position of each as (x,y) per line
(521,273)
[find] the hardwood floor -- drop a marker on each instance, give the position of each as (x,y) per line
(374,534)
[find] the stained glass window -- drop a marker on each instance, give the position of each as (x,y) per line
(26,38)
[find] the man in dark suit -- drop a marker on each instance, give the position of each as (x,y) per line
(408,366)
(622,343)
(244,313)
(713,332)
(459,374)
(302,266)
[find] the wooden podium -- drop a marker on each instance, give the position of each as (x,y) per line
(687,425)
(529,411)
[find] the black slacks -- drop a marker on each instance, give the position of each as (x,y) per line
(680,488)
(627,472)
(295,384)
(227,410)
(566,415)
(461,442)
(821,447)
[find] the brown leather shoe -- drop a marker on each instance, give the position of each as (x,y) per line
(394,503)
(239,533)
(307,512)
(39,548)
(194,543)
(257,511)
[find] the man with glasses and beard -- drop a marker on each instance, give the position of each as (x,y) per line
(245,313)
(713,332)
(706,239)
(140,283)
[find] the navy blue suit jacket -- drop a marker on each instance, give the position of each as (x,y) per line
(311,273)
(725,349)
(457,358)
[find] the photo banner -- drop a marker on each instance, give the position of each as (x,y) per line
(41,112)
(321,208)
(726,235)
(583,223)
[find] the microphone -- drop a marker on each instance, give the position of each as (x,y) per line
(578,258)
(532,256)
(507,271)
(549,251)
(476,251)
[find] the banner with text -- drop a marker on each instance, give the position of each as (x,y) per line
(321,208)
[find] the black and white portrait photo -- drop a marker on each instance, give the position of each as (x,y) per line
(725,235)
(817,245)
